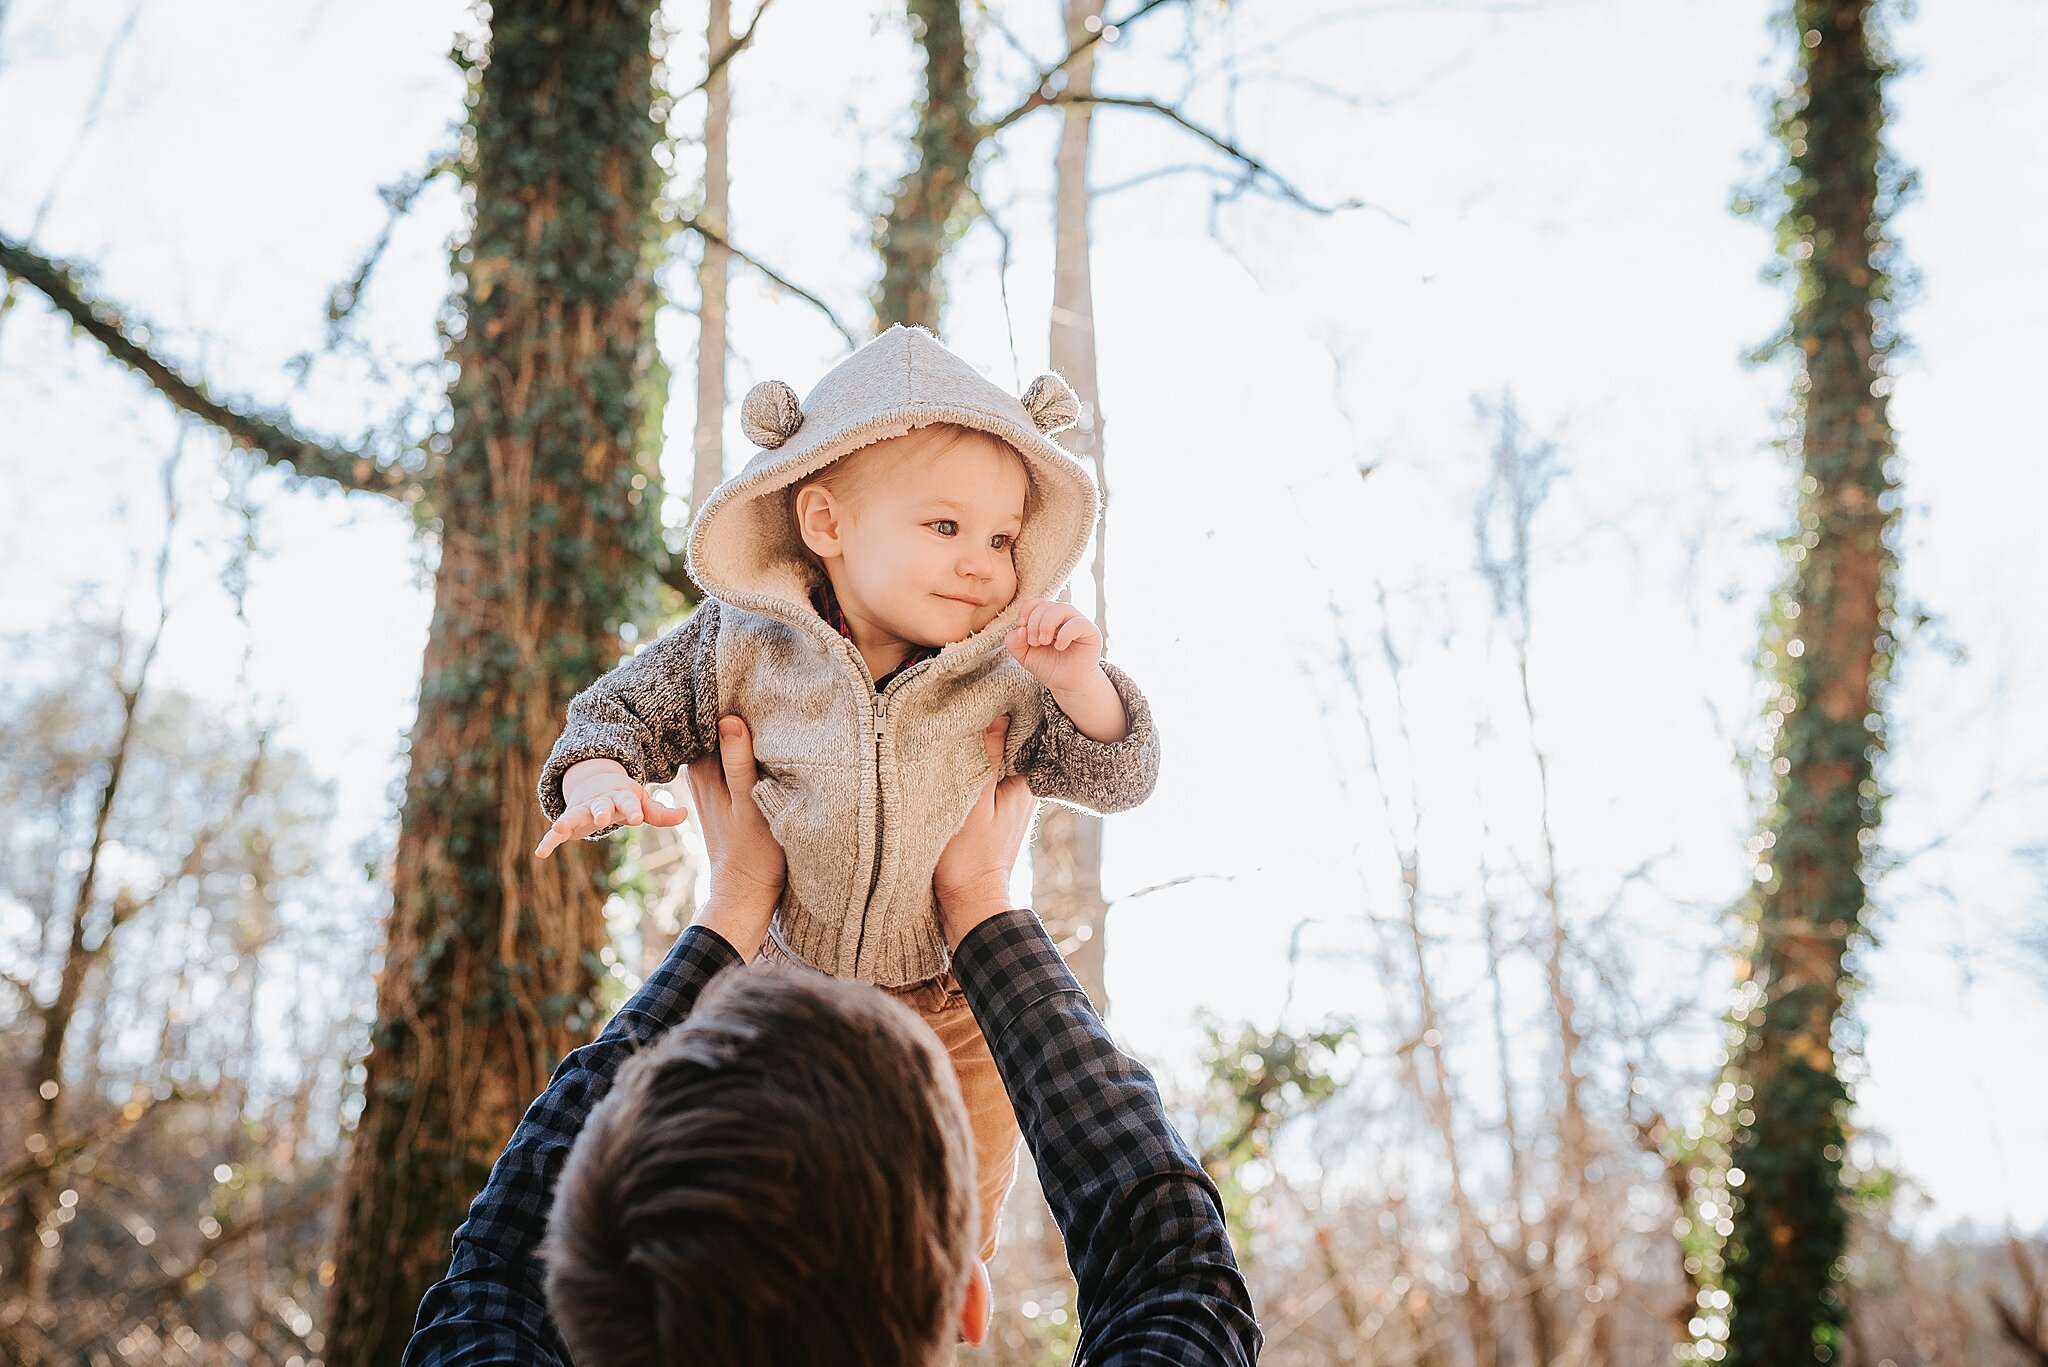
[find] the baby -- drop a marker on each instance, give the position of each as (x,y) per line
(879,584)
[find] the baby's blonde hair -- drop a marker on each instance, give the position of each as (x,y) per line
(852,472)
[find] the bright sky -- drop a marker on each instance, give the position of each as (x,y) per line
(1550,193)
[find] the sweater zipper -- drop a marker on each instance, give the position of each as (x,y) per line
(880,715)
(881,820)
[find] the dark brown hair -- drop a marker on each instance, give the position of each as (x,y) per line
(785,1178)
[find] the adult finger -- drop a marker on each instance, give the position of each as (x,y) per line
(736,756)
(993,738)
(1014,799)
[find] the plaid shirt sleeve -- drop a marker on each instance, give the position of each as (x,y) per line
(1143,1223)
(490,1308)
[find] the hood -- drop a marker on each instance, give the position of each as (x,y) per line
(744,547)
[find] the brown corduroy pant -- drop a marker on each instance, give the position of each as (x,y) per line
(943,1007)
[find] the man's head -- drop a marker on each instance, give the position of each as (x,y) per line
(917,533)
(787,1177)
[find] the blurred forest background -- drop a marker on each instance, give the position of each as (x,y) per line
(1569,496)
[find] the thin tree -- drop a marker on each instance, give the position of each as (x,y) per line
(1520,474)
(714,269)
(30,1249)
(1066,852)
(1828,647)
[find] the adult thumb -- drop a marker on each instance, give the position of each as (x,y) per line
(994,739)
(736,755)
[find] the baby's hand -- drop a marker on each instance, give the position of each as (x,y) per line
(599,793)
(1061,648)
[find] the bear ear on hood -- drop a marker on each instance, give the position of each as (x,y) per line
(769,415)
(1051,404)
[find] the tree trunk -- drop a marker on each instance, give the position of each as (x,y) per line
(1066,852)
(544,494)
(715,270)
(922,220)
(1829,646)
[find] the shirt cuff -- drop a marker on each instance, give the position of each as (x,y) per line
(671,991)
(1008,964)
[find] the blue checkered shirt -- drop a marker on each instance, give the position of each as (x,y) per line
(1143,1225)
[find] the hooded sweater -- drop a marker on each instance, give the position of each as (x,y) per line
(862,787)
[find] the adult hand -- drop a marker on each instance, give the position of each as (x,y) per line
(599,794)
(747,865)
(972,879)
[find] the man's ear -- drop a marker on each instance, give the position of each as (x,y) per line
(817,521)
(980,1305)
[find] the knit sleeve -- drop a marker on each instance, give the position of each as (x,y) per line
(1063,764)
(653,714)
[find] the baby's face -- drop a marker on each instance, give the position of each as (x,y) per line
(929,535)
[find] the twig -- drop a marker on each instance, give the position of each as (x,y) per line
(1041,95)
(1176,882)
(398,201)
(1285,188)
(732,50)
(1003,252)
(710,234)
(2026,1326)
(168,1288)
(73,1145)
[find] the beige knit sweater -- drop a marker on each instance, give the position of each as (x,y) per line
(862,788)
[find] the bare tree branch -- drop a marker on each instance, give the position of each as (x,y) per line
(732,50)
(63,1152)
(398,198)
(1043,92)
(1259,171)
(170,1287)
(710,234)
(2025,1326)
(86,124)
(269,435)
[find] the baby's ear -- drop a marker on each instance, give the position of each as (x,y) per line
(769,415)
(1051,404)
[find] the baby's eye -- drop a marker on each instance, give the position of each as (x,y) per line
(1002,541)
(945,526)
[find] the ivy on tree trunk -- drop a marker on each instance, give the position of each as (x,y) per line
(1828,647)
(923,219)
(544,494)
